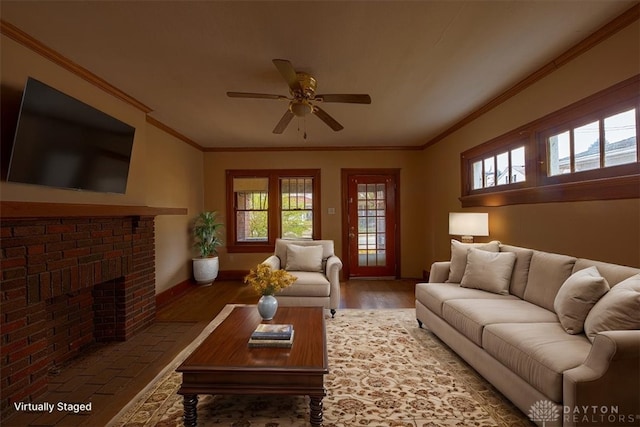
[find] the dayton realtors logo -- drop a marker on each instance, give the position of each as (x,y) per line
(547,411)
(544,410)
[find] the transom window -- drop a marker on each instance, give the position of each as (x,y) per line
(586,151)
(507,167)
(605,142)
(267,204)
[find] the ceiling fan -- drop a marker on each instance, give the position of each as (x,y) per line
(303,97)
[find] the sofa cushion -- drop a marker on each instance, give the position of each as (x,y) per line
(613,273)
(489,271)
(282,244)
(577,295)
(537,352)
(304,258)
(547,273)
(520,268)
(459,257)
(619,309)
(434,295)
(469,317)
(308,284)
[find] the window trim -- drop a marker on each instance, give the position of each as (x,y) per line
(504,143)
(274,206)
(613,182)
(592,174)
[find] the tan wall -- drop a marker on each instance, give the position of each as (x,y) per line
(164,171)
(175,176)
(603,230)
(331,163)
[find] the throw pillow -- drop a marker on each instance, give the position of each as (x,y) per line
(577,295)
(489,271)
(459,257)
(304,258)
(619,309)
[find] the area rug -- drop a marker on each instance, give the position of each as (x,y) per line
(384,371)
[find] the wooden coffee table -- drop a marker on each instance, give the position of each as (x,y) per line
(224,363)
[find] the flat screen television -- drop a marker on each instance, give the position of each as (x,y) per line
(65,143)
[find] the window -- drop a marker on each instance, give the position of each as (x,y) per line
(296,219)
(251,198)
(586,151)
(608,141)
(267,204)
(505,168)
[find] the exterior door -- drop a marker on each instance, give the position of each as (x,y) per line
(371,229)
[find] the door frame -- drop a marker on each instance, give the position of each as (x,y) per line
(346,174)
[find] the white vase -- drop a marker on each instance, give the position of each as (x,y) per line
(267,307)
(205,270)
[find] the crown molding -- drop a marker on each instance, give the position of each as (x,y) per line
(600,35)
(38,47)
(173,132)
(319,148)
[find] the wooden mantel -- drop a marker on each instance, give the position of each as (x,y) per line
(12,209)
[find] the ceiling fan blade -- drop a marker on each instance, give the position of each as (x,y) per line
(284,122)
(254,95)
(333,124)
(351,98)
(288,73)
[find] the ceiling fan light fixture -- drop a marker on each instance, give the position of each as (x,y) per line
(300,108)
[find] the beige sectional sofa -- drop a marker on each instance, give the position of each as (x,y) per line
(556,335)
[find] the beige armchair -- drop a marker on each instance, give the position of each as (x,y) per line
(316,268)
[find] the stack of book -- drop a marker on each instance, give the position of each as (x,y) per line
(270,335)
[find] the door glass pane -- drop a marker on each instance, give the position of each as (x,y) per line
(559,152)
(371,225)
(586,146)
(620,139)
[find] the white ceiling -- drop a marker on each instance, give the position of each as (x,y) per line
(426,64)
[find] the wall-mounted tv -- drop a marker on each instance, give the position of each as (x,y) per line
(65,143)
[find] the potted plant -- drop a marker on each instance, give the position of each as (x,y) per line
(205,234)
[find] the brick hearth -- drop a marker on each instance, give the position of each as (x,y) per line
(66,283)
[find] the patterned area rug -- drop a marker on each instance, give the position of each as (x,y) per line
(384,371)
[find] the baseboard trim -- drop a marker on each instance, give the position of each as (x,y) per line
(168,295)
(232,274)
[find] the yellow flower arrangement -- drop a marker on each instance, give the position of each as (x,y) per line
(267,281)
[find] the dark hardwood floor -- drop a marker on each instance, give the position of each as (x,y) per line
(205,302)
(111,375)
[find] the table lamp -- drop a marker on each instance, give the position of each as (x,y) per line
(468,225)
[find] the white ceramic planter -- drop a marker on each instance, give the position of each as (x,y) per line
(205,270)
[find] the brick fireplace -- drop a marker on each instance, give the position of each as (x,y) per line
(68,282)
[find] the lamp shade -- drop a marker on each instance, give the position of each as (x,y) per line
(468,224)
